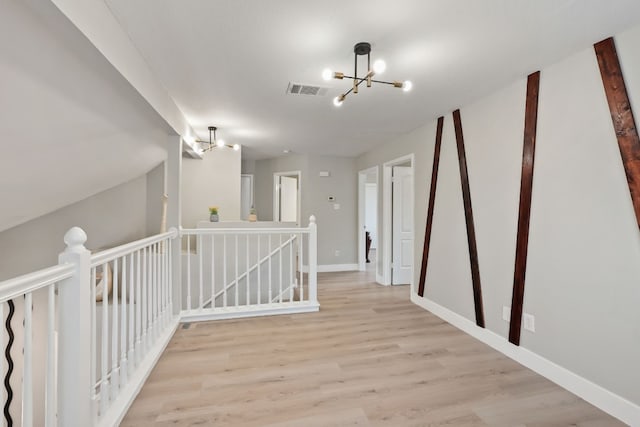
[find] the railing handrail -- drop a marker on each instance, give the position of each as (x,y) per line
(31,282)
(107,255)
(266,230)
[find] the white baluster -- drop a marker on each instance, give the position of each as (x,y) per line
(115,370)
(50,384)
(280,269)
(247,266)
(291,267)
(138,347)
(213,272)
(189,272)
(104,359)
(145,305)
(270,280)
(301,265)
(148,299)
(313,260)
(201,281)
(259,274)
(155,285)
(94,342)
(236,276)
(132,316)
(27,368)
(175,284)
(224,270)
(123,326)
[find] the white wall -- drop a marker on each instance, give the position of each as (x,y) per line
(583,266)
(212,181)
(110,218)
(70,125)
(337,229)
(155,192)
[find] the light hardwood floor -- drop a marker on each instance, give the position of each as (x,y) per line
(369,358)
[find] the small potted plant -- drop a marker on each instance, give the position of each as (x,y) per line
(252,214)
(213,214)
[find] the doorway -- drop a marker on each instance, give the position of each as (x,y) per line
(398,223)
(368,184)
(246,196)
(286,196)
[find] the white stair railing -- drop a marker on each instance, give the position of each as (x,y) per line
(238,272)
(131,316)
(108,316)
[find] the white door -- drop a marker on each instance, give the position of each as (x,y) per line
(246,195)
(288,199)
(402,228)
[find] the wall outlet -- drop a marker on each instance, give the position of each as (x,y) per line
(506,313)
(529,322)
(338,253)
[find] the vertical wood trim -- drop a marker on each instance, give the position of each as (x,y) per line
(622,116)
(524,213)
(432,199)
(468,213)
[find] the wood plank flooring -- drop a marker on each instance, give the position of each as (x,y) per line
(369,358)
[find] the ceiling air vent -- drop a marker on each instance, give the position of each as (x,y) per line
(302,89)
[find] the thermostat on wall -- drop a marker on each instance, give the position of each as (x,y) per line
(331,199)
(324,173)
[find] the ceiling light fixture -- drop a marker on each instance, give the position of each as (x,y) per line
(360,49)
(214,142)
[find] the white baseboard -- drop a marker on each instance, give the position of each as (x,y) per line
(249,311)
(332,268)
(609,402)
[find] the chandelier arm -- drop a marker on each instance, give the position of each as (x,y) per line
(381,81)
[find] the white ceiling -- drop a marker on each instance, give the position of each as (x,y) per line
(228,63)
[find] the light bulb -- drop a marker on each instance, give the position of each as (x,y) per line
(219,143)
(236,147)
(337,101)
(327,74)
(379,66)
(407,86)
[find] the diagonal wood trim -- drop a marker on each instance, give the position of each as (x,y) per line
(432,199)
(468,214)
(524,213)
(622,116)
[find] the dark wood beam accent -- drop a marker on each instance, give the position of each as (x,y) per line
(432,199)
(524,214)
(622,116)
(468,213)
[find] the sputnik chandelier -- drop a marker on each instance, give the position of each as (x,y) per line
(215,143)
(360,49)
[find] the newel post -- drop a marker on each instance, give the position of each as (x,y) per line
(74,334)
(313,260)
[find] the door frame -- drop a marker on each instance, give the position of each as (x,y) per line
(362,181)
(276,194)
(387,229)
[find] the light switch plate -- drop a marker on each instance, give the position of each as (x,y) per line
(529,322)
(506,313)
(336,206)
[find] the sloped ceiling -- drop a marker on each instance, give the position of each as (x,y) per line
(70,125)
(228,63)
